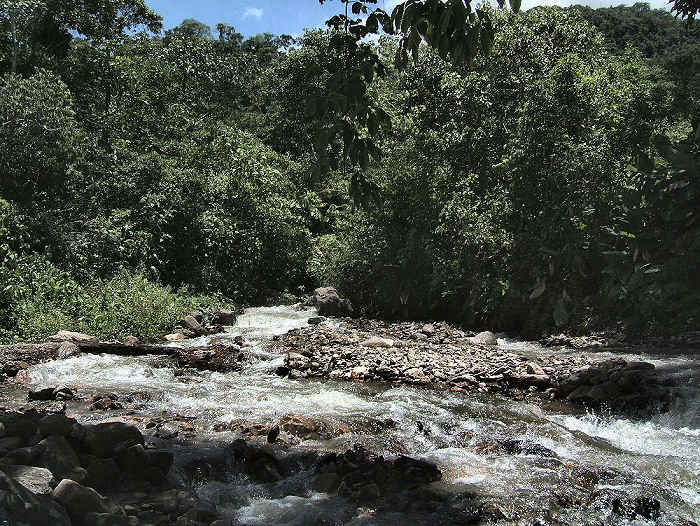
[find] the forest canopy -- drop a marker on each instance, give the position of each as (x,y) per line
(546,181)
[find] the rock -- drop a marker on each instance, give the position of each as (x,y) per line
(131,340)
(19,505)
(533,368)
(37,480)
(192,324)
(21,427)
(42,395)
(327,482)
(10,443)
(12,368)
(329,303)
(55,424)
(167,431)
(75,337)
(273,434)
(175,337)
(316,320)
(60,458)
(62,392)
(79,500)
(377,342)
(67,349)
(301,426)
(163,460)
(110,519)
(103,473)
(484,338)
(428,329)
(101,439)
(224,317)
(134,459)
(105,403)
(22,377)
(415,375)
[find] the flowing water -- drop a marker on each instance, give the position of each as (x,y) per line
(597,455)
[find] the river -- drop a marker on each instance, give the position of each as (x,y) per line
(597,455)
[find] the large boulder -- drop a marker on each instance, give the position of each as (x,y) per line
(79,500)
(224,317)
(37,480)
(329,302)
(18,505)
(101,439)
(484,338)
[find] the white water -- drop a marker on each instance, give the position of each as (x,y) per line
(659,457)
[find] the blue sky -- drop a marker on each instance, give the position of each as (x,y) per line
(289,16)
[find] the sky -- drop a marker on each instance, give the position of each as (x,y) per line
(250,17)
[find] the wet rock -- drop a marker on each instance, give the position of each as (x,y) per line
(105,402)
(62,393)
(219,358)
(329,303)
(35,479)
(647,507)
(74,337)
(41,395)
(175,337)
(327,482)
(316,320)
(282,370)
(224,317)
(101,439)
(163,460)
(303,427)
(191,323)
(80,500)
(66,350)
(273,434)
(12,368)
(524,447)
(22,377)
(167,431)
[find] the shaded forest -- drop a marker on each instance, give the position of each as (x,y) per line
(552,185)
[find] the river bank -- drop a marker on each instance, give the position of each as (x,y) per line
(500,458)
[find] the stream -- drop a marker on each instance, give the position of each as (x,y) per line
(597,456)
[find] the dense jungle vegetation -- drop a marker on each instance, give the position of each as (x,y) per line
(551,185)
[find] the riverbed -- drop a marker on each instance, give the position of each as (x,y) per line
(569,464)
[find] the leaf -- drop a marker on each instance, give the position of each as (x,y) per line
(515,5)
(539,289)
(644,164)
(356,8)
(364,159)
(631,197)
(560,315)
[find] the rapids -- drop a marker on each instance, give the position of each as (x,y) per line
(597,455)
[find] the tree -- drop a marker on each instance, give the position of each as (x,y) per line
(189,28)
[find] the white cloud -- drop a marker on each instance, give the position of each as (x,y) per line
(253,12)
